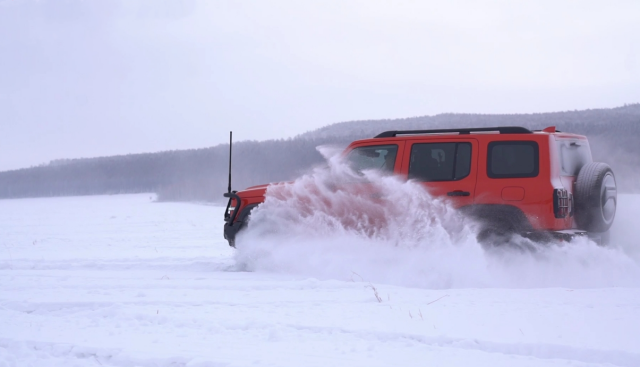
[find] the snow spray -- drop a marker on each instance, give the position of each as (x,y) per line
(333,223)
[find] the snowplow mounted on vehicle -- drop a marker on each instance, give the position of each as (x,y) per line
(540,184)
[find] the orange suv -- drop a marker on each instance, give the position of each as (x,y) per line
(539,184)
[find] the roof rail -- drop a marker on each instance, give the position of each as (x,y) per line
(501,130)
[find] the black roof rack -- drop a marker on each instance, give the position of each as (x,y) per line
(501,130)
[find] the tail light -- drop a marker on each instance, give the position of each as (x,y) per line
(561,205)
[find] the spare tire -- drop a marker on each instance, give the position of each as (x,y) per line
(595,197)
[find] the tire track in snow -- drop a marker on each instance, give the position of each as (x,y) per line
(118,357)
(69,354)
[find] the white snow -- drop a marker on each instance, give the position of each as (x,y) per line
(125,281)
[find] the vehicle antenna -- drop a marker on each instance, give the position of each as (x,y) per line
(230,143)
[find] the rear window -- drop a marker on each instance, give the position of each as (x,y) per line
(378,157)
(440,161)
(512,159)
(573,155)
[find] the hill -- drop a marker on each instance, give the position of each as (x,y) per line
(201,174)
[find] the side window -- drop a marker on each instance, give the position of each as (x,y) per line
(512,159)
(380,157)
(440,161)
(573,155)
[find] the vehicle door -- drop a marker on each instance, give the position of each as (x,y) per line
(446,167)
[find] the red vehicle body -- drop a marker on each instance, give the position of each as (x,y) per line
(538,194)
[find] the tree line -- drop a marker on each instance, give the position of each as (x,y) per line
(201,174)
(182,175)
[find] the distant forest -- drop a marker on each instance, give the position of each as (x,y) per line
(201,174)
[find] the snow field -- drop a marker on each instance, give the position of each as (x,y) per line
(124,281)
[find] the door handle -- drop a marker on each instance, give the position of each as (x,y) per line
(458,193)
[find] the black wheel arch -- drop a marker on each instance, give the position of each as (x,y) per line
(231,229)
(502,218)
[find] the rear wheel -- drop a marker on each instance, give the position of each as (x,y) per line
(497,223)
(595,197)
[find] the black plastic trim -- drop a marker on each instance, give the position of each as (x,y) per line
(458,193)
(231,195)
(232,229)
(501,130)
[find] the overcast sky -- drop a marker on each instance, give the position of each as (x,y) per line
(93,78)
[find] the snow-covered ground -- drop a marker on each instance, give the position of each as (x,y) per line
(125,281)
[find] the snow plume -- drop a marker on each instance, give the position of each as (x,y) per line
(331,225)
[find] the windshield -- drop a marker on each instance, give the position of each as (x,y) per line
(377,157)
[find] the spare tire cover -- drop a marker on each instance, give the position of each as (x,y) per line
(595,197)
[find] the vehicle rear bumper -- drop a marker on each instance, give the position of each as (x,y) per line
(568,235)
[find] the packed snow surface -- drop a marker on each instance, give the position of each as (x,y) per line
(126,281)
